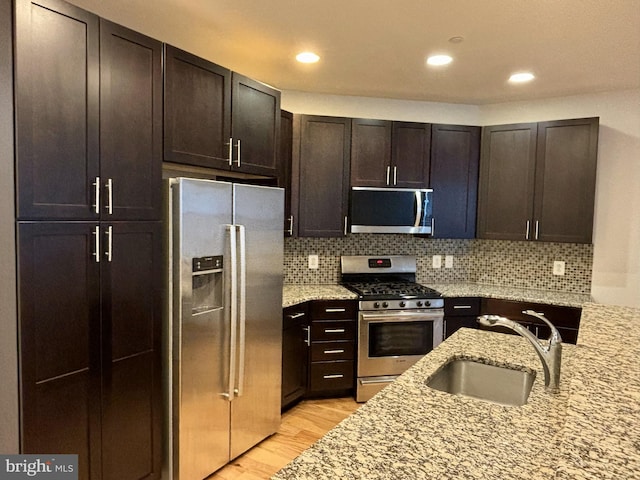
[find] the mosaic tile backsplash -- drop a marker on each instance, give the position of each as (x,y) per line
(489,262)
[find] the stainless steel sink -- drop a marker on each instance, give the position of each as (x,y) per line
(491,383)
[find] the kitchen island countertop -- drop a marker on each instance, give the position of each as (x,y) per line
(591,429)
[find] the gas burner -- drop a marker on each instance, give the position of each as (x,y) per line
(391,290)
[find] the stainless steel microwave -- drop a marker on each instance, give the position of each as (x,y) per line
(391,210)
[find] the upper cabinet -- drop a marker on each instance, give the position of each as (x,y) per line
(455,153)
(389,154)
(217,118)
(320,175)
(89,117)
(537,181)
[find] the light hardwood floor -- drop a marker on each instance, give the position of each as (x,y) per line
(301,426)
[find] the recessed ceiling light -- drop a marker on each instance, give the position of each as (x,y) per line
(456,39)
(521,77)
(307,57)
(439,60)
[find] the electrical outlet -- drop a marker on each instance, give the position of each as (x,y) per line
(313,261)
(558,268)
(437,261)
(448,261)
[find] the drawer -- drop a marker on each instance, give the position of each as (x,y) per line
(461,306)
(331,351)
(330,330)
(331,376)
(333,309)
(558,315)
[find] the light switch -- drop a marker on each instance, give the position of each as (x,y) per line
(437,261)
(558,268)
(313,261)
(448,261)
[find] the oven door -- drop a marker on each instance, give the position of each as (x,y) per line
(390,342)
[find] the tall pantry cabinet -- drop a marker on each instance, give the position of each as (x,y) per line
(88,179)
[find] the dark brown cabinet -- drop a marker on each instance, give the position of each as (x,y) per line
(285,149)
(389,154)
(460,312)
(565,319)
(332,355)
(455,154)
(320,174)
(89,159)
(90,330)
(217,118)
(89,113)
(295,353)
(537,181)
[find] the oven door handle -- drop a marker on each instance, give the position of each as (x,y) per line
(402,316)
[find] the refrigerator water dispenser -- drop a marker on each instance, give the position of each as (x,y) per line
(207,283)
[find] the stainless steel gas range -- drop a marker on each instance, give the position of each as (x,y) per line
(399,320)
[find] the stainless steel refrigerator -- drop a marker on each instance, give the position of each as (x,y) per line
(224,325)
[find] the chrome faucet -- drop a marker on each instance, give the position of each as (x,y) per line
(550,355)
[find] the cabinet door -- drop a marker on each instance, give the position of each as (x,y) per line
(455,152)
(323,175)
(410,156)
(255,126)
(59,300)
(371,153)
(130,123)
(295,353)
(197,111)
(57,101)
(285,146)
(131,383)
(566,180)
(507,168)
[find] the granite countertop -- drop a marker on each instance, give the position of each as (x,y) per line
(294,294)
(591,429)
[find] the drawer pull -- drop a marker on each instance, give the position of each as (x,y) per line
(335,375)
(295,315)
(334,330)
(335,310)
(460,307)
(334,351)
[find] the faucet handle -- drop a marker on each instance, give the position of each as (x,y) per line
(555,337)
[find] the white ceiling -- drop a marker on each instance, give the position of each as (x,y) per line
(377,48)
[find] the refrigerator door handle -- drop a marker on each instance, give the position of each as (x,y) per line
(242,310)
(234,313)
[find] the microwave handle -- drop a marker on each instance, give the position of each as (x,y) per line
(418,209)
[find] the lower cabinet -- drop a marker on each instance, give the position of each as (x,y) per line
(332,351)
(565,319)
(90,319)
(460,312)
(295,353)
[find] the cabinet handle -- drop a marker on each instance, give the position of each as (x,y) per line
(334,330)
(109,206)
(335,375)
(395,175)
(335,310)
(109,251)
(238,148)
(458,307)
(290,231)
(96,185)
(230,145)
(96,240)
(345,225)
(526,235)
(388,173)
(433,226)
(295,315)
(334,351)
(307,329)
(537,229)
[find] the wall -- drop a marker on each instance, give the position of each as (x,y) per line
(616,244)
(616,236)
(9,433)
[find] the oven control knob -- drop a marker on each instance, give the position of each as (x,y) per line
(385,304)
(419,303)
(402,304)
(427,304)
(376,304)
